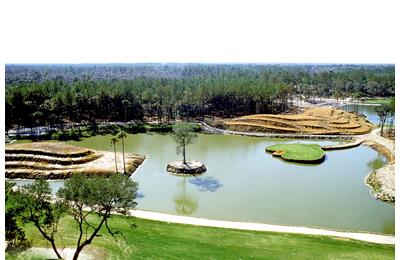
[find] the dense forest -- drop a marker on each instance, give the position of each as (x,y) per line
(88,93)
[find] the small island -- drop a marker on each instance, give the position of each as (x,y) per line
(189,168)
(183,135)
(300,153)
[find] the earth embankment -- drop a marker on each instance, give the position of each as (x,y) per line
(53,160)
(315,121)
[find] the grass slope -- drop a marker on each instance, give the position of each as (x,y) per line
(159,240)
(298,152)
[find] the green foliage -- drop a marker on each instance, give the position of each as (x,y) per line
(183,135)
(89,201)
(97,196)
(121,135)
(34,206)
(383,112)
(176,91)
(14,233)
(377,163)
(161,128)
(70,134)
(392,105)
(102,195)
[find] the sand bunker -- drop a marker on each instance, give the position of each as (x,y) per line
(312,121)
(50,160)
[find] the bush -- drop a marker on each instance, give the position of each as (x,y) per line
(163,128)
(70,134)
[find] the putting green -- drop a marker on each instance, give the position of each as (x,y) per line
(302,153)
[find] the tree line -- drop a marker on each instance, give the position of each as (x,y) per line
(163,100)
(35,96)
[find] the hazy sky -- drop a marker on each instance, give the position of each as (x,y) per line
(199,31)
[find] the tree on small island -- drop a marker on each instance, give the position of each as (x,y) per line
(184,135)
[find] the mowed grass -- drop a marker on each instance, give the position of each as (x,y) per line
(298,152)
(378,101)
(159,240)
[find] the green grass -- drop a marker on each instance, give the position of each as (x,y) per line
(298,152)
(159,240)
(378,101)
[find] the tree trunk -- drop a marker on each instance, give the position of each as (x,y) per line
(115,154)
(125,114)
(123,153)
(88,241)
(50,239)
(184,152)
(53,245)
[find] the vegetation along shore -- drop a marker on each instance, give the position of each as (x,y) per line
(92,126)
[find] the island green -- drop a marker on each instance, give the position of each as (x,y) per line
(303,153)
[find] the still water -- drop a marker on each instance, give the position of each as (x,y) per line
(367,110)
(243,183)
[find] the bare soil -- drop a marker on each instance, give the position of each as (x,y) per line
(59,161)
(311,121)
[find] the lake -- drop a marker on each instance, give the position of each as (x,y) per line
(243,183)
(367,110)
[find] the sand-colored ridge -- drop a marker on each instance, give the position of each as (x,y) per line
(312,121)
(51,160)
(56,149)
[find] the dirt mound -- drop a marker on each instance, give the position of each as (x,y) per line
(50,160)
(312,121)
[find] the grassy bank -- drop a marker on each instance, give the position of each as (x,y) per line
(159,240)
(378,101)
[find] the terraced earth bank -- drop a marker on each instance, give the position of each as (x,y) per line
(312,121)
(53,160)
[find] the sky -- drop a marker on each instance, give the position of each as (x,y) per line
(306,31)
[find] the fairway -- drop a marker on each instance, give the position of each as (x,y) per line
(158,240)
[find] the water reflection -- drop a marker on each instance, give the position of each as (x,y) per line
(206,183)
(139,195)
(377,163)
(388,225)
(184,204)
